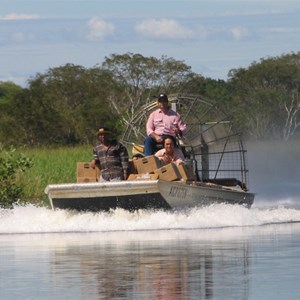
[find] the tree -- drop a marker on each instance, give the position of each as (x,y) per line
(218,91)
(266,96)
(7,91)
(65,105)
(11,165)
(9,125)
(141,78)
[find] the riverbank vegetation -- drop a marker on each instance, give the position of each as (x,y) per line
(51,165)
(12,166)
(67,104)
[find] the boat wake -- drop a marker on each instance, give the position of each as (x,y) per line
(31,219)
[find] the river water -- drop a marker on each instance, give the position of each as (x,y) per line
(216,252)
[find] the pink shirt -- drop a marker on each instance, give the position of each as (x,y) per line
(178,156)
(164,123)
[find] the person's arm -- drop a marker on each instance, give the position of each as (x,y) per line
(95,161)
(181,126)
(150,124)
(159,154)
(157,137)
(178,156)
(150,129)
(124,160)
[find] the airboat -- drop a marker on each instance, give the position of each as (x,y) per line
(214,153)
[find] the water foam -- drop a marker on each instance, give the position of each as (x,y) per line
(31,219)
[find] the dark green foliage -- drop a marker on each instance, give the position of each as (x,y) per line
(9,128)
(66,105)
(7,91)
(11,166)
(266,97)
(218,91)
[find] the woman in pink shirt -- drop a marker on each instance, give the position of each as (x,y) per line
(170,153)
(162,122)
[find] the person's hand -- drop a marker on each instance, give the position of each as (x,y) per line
(177,132)
(93,164)
(158,139)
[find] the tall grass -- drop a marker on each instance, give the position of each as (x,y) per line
(51,165)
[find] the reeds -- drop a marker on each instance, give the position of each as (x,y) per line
(50,166)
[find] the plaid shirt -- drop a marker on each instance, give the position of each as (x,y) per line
(113,160)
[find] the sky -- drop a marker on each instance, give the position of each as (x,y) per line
(212,37)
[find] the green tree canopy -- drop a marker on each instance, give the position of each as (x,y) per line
(266,96)
(9,127)
(141,78)
(65,105)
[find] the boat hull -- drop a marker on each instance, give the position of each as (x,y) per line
(148,194)
(181,195)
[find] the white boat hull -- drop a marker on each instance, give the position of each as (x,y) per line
(179,195)
(144,194)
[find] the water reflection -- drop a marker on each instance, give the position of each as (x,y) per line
(162,266)
(174,264)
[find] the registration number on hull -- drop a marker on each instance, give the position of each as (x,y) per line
(178,192)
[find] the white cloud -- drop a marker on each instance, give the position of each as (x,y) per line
(14,16)
(164,28)
(99,29)
(239,33)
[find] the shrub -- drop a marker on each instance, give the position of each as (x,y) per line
(11,167)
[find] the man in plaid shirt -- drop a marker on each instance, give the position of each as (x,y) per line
(111,157)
